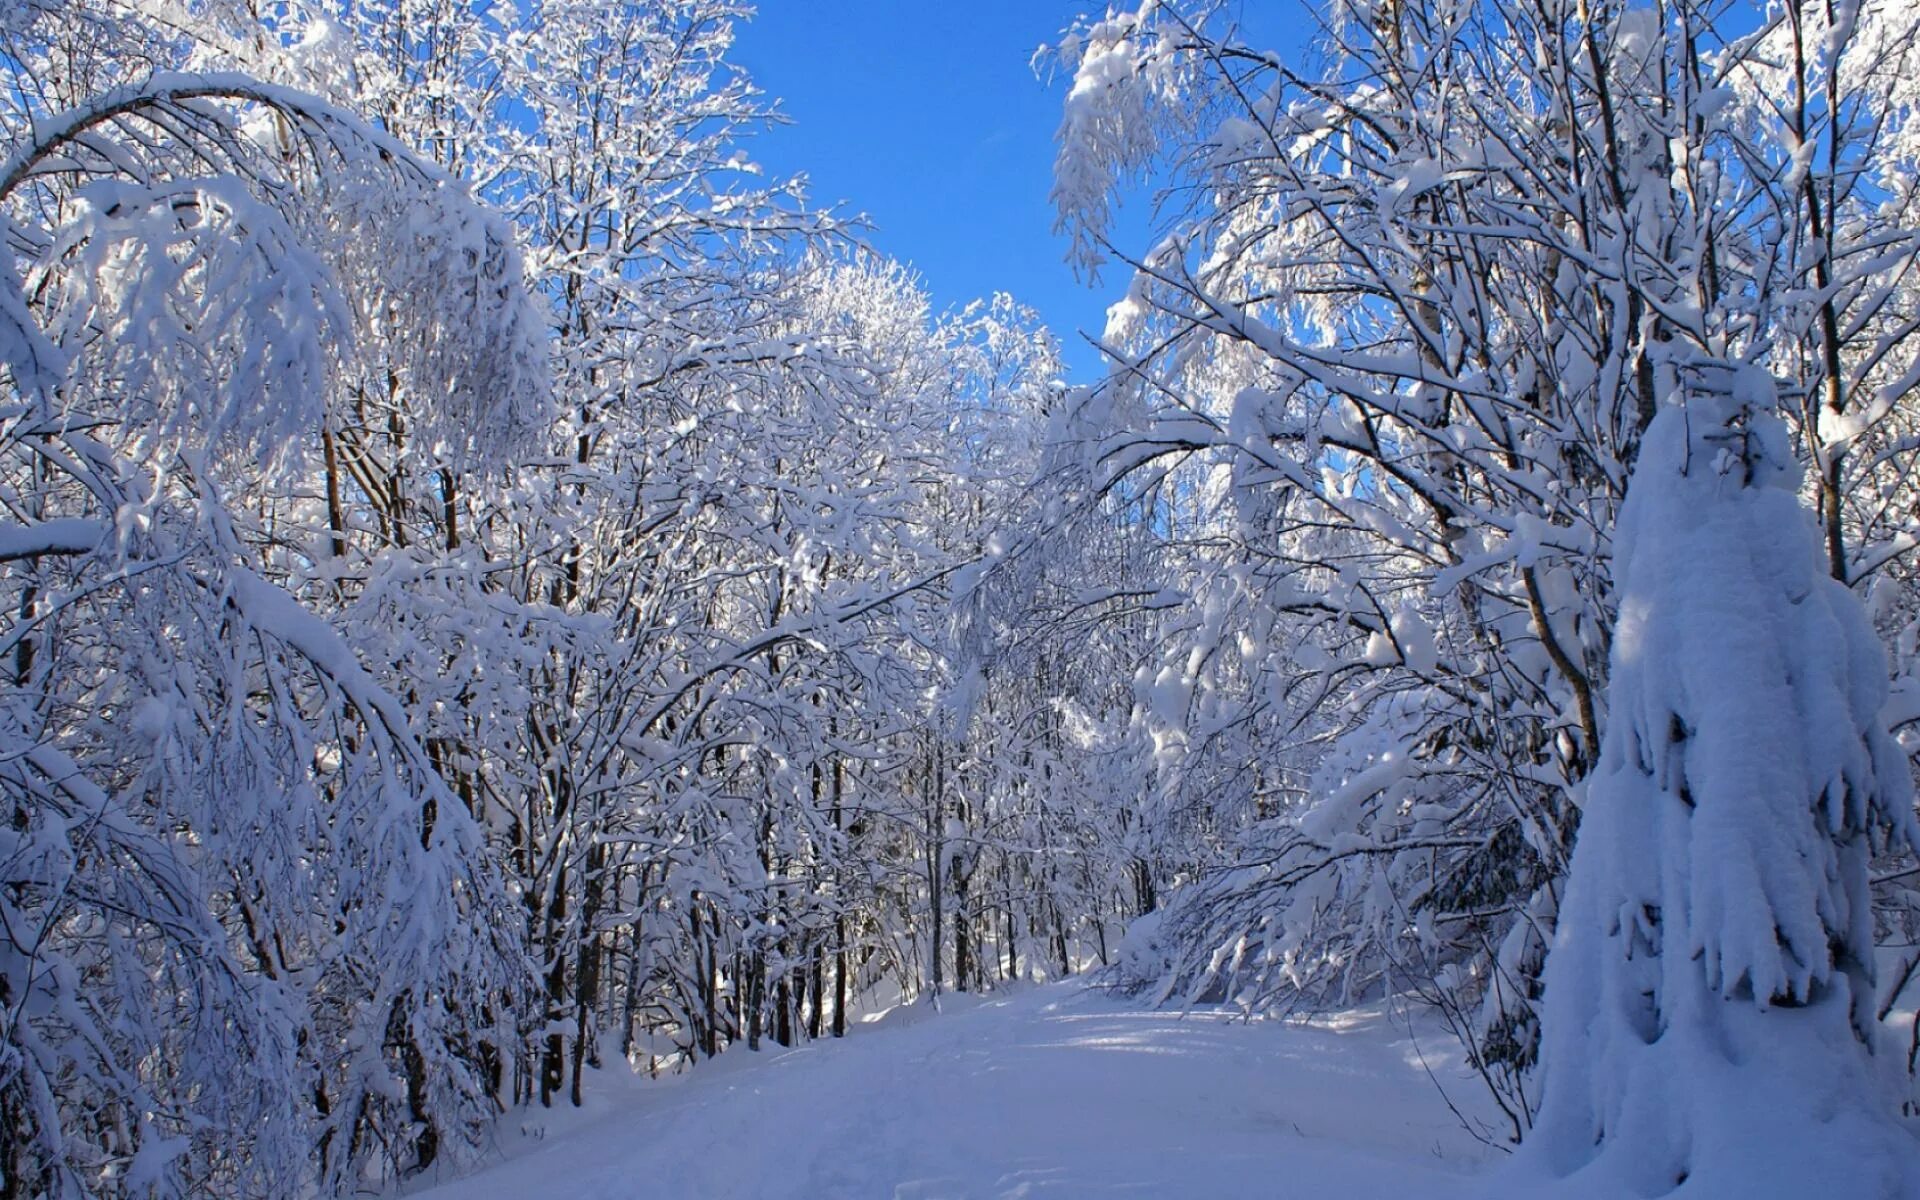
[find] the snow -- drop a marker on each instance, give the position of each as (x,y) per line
(1057,1091)
(63,535)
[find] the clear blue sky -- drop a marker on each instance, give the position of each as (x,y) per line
(927,117)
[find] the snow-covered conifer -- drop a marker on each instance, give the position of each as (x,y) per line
(1710,993)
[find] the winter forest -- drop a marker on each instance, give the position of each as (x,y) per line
(504,601)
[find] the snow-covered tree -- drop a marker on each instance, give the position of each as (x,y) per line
(250,935)
(1710,1003)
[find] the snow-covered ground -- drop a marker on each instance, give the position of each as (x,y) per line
(1056,1093)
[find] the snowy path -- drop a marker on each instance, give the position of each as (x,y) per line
(1053,1094)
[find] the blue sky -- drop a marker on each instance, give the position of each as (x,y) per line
(927,117)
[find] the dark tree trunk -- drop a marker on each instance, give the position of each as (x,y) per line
(962,934)
(840,988)
(840,913)
(783,1009)
(426,1142)
(1144,899)
(553,1063)
(816,989)
(1013,943)
(586,990)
